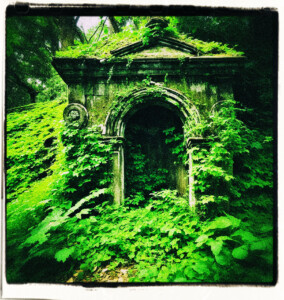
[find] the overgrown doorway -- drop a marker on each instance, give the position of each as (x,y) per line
(154,152)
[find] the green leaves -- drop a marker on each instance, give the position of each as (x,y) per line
(27,155)
(223,259)
(201,267)
(39,237)
(246,236)
(262,244)
(240,252)
(201,240)
(189,272)
(31,42)
(216,246)
(222,223)
(63,254)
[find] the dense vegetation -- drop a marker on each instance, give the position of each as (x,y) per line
(59,211)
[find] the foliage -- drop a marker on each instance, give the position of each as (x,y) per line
(160,239)
(32,140)
(164,242)
(177,143)
(142,178)
(101,49)
(31,42)
(233,160)
(59,214)
(32,151)
(214,48)
(148,35)
(54,88)
(79,172)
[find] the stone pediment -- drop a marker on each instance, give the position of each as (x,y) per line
(172,48)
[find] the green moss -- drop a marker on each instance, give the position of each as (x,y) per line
(158,52)
(102,48)
(213,48)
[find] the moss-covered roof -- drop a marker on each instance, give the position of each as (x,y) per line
(103,49)
(159,52)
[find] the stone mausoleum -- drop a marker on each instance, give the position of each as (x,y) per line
(107,91)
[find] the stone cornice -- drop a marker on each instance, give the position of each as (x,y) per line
(85,69)
(158,41)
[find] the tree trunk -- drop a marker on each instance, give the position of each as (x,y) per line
(67,31)
(114,24)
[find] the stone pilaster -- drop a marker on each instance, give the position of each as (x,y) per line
(191,142)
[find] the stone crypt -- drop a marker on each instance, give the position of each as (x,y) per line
(177,73)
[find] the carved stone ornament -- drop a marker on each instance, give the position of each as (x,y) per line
(76,113)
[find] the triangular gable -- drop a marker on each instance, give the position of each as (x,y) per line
(159,41)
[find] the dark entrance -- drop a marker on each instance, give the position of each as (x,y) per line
(153,152)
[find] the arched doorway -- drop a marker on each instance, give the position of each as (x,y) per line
(154,152)
(125,108)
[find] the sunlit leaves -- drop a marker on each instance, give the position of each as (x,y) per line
(27,156)
(63,254)
(240,252)
(216,246)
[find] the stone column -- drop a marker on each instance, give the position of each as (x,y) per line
(191,142)
(191,196)
(118,175)
(181,179)
(117,167)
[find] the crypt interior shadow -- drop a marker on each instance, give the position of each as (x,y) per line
(152,135)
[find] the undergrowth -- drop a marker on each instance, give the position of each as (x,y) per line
(60,216)
(65,220)
(32,141)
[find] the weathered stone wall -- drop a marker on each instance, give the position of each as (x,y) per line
(99,95)
(190,88)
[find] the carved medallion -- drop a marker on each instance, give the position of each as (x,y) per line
(76,113)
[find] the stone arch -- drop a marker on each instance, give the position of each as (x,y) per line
(169,98)
(126,107)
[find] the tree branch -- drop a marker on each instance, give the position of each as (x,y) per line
(76,19)
(102,29)
(95,31)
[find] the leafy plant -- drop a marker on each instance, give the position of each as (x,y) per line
(59,210)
